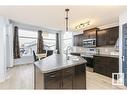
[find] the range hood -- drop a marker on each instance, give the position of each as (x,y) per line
(117,45)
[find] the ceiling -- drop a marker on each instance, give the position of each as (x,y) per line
(54,16)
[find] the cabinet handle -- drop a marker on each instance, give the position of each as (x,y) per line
(52,76)
(67,71)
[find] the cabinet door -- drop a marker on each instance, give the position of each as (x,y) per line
(90,33)
(113,66)
(80,77)
(67,78)
(107,36)
(86,35)
(53,80)
(100,65)
(106,65)
(113,35)
(78,40)
(101,38)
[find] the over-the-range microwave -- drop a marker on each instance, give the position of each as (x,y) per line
(89,42)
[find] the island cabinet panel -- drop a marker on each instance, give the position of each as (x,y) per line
(52,80)
(80,77)
(106,65)
(69,78)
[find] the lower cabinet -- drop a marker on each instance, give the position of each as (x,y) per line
(106,65)
(80,77)
(69,78)
(52,80)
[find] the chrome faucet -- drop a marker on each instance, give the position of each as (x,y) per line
(68,48)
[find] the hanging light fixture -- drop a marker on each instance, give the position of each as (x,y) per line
(82,25)
(66,18)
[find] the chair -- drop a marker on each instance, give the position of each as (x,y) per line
(49,52)
(42,55)
(44,51)
(35,57)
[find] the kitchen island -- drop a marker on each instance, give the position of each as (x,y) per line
(56,72)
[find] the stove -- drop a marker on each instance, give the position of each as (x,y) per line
(88,55)
(90,52)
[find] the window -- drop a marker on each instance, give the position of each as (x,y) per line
(28,41)
(49,40)
(67,38)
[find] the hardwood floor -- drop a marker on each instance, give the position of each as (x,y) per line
(98,81)
(21,77)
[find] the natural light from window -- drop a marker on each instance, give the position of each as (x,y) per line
(67,38)
(28,41)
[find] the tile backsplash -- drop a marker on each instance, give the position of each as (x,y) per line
(108,50)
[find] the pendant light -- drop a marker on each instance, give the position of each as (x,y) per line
(66,18)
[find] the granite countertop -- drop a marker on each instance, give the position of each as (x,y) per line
(57,62)
(107,55)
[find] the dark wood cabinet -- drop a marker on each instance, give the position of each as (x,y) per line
(87,34)
(90,33)
(107,36)
(106,65)
(104,37)
(79,79)
(53,80)
(101,38)
(68,78)
(78,40)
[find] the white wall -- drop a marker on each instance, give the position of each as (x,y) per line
(10,44)
(122,20)
(3,48)
(109,25)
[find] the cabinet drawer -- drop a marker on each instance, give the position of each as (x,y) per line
(56,75)
(68,71)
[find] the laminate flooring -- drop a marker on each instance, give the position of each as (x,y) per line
(22,77)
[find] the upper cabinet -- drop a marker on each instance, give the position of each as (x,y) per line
(107,36)
(78,40)
(89,34)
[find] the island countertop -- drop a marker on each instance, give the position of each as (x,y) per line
(57,62)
